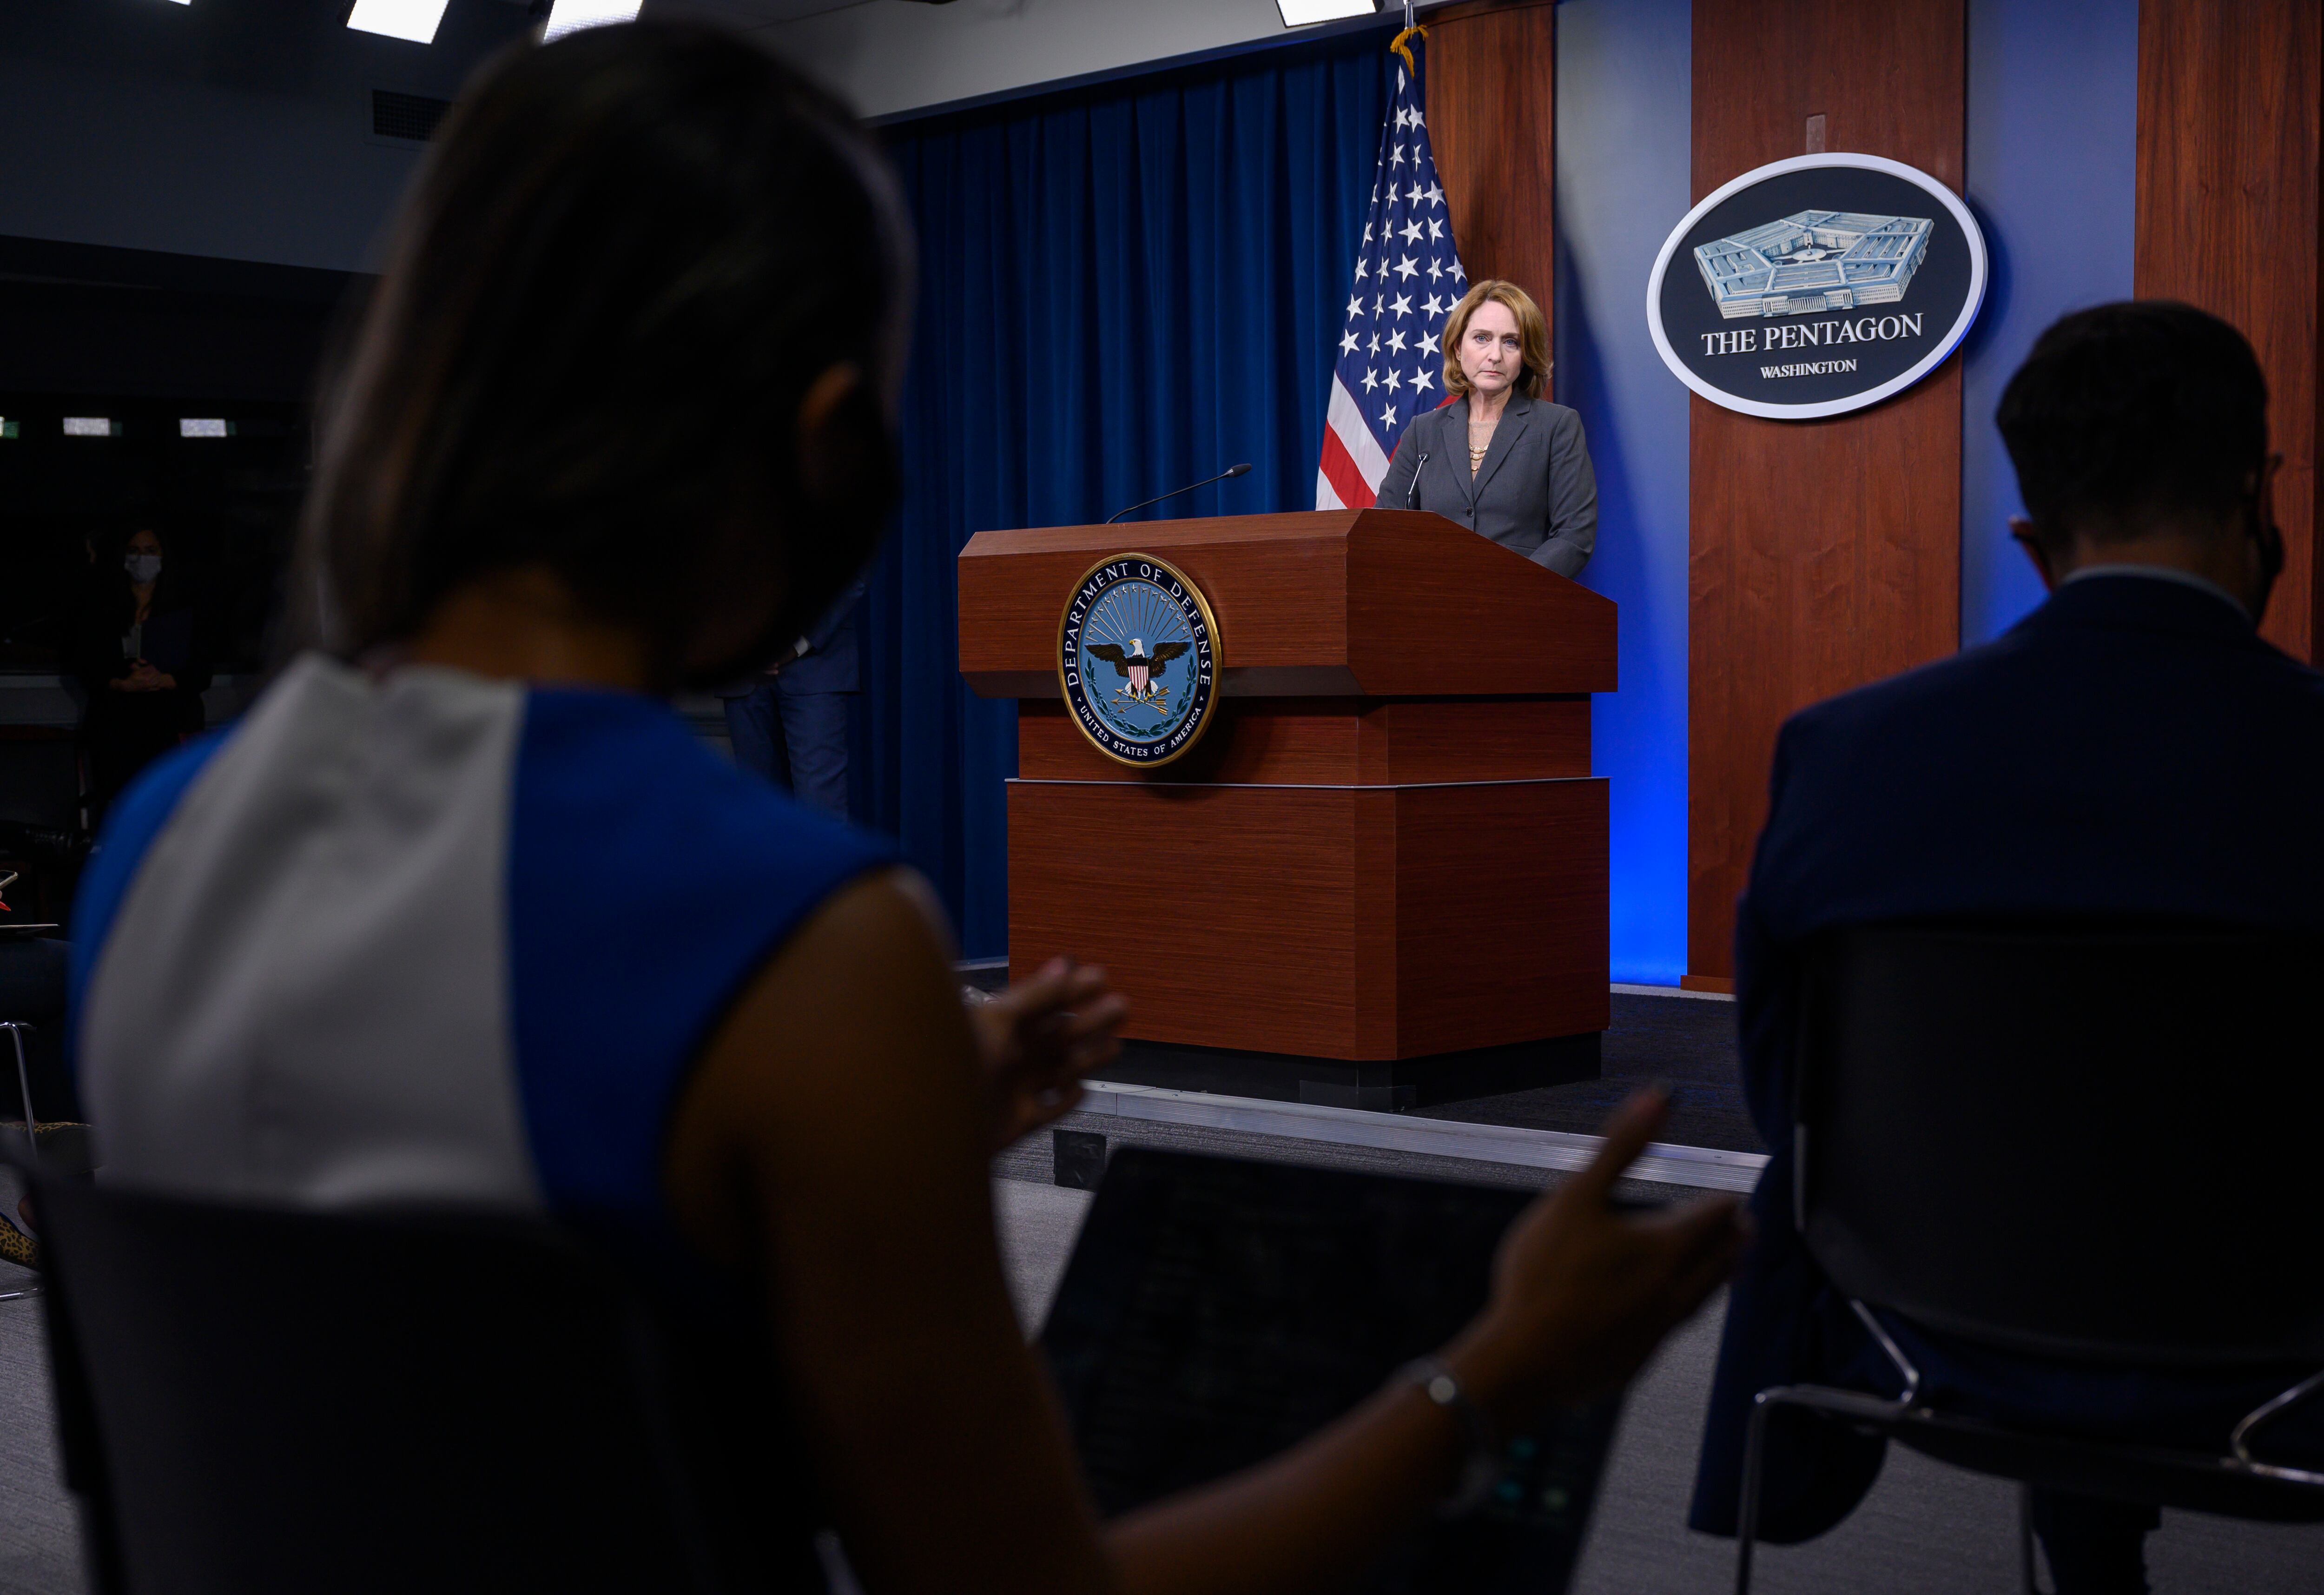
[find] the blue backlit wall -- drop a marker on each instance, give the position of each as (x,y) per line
(2053,172)
(1623,135)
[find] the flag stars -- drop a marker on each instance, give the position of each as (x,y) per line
(1407,233)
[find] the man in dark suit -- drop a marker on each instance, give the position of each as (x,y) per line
(792,726)
(2131,747)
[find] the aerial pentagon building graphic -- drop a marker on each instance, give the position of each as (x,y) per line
(1817,260)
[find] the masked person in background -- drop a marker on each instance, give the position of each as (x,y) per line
(140,647)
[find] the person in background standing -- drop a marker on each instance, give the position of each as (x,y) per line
(141,648)
(791,725)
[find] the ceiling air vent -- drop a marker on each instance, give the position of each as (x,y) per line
(411,116)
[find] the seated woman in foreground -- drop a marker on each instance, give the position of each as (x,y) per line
(462,911)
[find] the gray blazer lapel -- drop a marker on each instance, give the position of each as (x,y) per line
(1452,428)
(1504,439)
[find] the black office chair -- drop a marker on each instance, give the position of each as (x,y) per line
(263,1401)
(33,980)
(33,973)
(2076,1142)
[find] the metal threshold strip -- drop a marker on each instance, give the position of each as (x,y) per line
(1705,1168)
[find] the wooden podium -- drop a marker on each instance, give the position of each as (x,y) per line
(1379,879)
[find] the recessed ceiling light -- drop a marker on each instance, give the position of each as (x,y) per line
(1298,14)
(565,16)
(414,20)
(198,426)
(87,426)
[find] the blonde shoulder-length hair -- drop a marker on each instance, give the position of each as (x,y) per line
(1532,334)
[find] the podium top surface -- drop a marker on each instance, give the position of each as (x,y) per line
(1328,603)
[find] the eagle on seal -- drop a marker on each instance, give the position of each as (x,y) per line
(1137,664)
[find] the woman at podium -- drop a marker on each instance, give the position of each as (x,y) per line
(1500,458)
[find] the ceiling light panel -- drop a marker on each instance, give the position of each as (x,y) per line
(1299,13)
(568,16)
(414,20)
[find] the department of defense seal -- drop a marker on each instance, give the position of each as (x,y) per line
(1138,657)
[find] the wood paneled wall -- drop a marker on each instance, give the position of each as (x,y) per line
(2228,138)
(1492,83)
(1824,554)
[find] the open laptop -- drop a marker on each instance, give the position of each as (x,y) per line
(1217,1310)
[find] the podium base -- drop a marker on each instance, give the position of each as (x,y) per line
(1378,1087)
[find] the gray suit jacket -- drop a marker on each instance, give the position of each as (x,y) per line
(1536,492)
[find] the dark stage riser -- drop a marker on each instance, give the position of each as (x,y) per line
(1353,896)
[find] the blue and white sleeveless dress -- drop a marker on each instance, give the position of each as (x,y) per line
(430,938)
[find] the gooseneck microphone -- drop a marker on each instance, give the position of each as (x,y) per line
(1412,494)
(1239,470)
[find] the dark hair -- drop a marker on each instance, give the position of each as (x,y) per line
(625,262)
(2131,408)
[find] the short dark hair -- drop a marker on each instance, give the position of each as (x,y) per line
(2131,408)
(623,263)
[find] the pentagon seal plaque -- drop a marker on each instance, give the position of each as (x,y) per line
(1817,285)
(1138,659)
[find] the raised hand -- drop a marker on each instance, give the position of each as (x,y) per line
(1038,1039)
(1583,1291)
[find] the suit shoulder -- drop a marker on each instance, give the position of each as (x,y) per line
(1420,432)
(1968,673)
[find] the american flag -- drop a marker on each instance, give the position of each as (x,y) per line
(1408,278)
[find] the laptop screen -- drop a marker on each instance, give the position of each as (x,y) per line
(1217,1311)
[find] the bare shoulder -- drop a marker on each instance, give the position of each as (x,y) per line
(849,1035)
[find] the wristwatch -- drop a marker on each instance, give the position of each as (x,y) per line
(1482,1469)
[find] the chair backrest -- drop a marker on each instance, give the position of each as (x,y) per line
(2092,1142)
(261,1401)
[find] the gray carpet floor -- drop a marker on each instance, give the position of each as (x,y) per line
(1924,1530)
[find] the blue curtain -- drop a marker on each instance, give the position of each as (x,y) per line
(1123,290)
